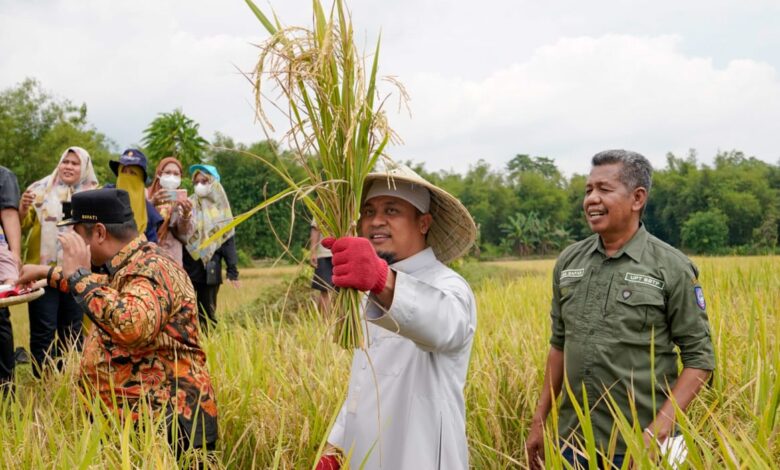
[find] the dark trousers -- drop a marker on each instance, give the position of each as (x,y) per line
(207,304)
(53,312)
(6,350)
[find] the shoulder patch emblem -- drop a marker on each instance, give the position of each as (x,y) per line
(699,297)
(572,273)
(644,279)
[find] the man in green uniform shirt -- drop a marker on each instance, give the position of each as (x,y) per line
(619,296)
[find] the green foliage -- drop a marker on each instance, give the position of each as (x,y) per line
(244,260)
(35,128)
(526,234)
(246,181)
(174,135)
(705,232)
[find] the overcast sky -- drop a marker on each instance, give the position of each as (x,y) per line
(487,79)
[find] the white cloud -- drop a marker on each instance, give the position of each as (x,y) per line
(564,79)
(577,96)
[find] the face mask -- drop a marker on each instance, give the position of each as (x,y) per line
(170,181)
(202,190)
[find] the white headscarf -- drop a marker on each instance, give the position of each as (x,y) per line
(50,192)
(211,212)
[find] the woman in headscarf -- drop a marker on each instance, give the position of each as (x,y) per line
(174,207)
(39,211)
(211,210)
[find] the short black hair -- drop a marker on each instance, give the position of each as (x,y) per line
(125,231)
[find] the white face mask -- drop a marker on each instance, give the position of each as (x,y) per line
(170,181)
(202,190)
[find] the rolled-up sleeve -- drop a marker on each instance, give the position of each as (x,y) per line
(687,317)
(438,318)
(9,190)
(132,317)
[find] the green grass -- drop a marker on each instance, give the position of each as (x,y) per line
(279,378)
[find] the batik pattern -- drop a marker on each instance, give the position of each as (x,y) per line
(143,345)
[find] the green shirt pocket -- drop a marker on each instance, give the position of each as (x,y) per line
(635,311)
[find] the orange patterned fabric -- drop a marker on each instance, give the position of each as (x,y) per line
(143,345)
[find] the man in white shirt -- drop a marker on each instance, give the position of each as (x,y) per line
(405,405)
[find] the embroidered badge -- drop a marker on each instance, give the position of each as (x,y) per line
(699,297)
(626,294)
(644,279)
(572,273)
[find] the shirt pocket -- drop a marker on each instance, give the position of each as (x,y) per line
(634,312)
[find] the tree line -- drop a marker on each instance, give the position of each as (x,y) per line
(528,207)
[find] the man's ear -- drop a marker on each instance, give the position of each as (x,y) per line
(100,232)
(639,199)
(424,223)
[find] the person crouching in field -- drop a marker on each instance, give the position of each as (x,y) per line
(10,255)
(143,347)
(405,406)
(622,300)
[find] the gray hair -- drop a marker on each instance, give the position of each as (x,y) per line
(636,171)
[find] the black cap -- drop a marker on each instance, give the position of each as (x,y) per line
(106,206)
(130,157)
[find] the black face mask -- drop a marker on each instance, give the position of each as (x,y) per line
(388,257)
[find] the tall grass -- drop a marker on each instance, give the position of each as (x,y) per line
(280,379)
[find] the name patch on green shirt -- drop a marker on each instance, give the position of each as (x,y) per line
(646,280)
(572,273)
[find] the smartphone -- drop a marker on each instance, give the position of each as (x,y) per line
(178,195)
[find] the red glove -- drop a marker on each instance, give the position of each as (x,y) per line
(356,264)
(329,462)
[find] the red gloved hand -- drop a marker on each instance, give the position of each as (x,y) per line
(356,264)
(329,462)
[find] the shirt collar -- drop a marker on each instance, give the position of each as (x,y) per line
(633,248)
(415,262)
(121,258)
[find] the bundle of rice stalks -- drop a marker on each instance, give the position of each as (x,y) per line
(337,128)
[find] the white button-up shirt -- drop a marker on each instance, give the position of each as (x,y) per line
(405,407)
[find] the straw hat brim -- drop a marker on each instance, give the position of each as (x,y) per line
(453,231)
(21,299)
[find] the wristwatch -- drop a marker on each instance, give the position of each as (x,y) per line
(78,275)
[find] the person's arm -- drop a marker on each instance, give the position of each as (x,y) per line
(553,375)
(9,212)
(437,318)
(229,254)
(553,381)
(184,223)
(690,329)
(25,203)
(133,317)
(684,391)
(314,240)
(9,218)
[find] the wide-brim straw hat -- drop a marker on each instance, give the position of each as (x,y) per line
(453,231)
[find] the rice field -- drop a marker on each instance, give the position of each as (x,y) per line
(280,378)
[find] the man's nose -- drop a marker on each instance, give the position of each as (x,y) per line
(592,198)
(378,220)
